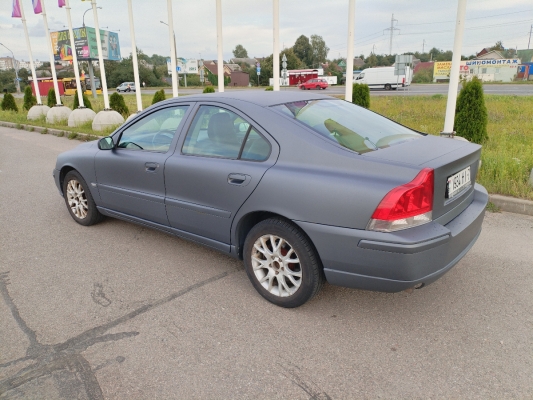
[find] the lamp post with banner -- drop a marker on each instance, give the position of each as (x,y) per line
(258,71)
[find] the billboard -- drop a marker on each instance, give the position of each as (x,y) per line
(184,65)
(86,45)
(441,69)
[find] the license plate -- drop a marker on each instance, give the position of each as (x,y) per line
(457,182)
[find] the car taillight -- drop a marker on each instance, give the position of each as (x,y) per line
(405,206)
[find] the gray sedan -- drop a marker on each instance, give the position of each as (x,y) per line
(303,187)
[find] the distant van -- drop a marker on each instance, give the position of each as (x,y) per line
(384,78)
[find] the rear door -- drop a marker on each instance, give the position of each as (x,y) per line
(130,178)
(215,168)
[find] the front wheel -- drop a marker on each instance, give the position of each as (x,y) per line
(80,203)
(388,87)
(282,264)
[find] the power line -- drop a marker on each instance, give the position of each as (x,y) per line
(468,19)
(391,29)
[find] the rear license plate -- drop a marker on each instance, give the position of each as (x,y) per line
(458,182)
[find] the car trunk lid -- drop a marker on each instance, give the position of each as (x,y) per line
(450,160)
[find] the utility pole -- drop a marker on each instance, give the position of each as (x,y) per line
(391,29)
(529,41)
(423,45)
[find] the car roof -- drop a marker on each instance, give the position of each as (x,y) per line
(259,97)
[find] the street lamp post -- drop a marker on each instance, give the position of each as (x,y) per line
(83,19)
(174,33)
(14,66)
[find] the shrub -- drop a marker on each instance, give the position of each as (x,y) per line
(116,102)
(361,95)
(72,135)
(471,113)
(269,89)
(51,98)
(29,99)
(159,96)
(8,103)
(423,76)
(86,102)
(209,89)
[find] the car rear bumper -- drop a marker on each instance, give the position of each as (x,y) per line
(391,262)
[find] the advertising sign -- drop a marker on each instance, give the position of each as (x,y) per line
(85,43)
(441,69)
(184,65)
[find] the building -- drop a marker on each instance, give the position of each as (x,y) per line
(233,71)
(248,61)
(6,63)
(26,64)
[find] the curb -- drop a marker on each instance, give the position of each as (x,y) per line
(504,203)
(84,137)
(512,204)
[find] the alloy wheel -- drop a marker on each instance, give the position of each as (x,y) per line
(276,265)
(77,200)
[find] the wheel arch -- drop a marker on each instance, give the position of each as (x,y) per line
(248,221)
(64,171)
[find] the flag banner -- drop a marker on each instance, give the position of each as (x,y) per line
(37,7)
(61,3)
(16,9)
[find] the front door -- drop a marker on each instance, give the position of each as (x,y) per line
(221,161)
(130,177)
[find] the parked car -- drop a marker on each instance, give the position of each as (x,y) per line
(314,84)
(126,87)
(303,187)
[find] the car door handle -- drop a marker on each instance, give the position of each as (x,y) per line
(151,166)
(239,179)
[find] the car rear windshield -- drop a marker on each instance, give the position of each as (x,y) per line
(349,125)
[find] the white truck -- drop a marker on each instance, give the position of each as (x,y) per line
(383,77)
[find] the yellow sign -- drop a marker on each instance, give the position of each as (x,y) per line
(442,69)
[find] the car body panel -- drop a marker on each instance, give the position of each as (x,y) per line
(396,261)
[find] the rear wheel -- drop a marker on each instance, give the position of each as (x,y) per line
(282,264)
(388,86)
(79,200)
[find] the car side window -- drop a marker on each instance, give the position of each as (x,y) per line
(154,132)
(215,132)
(256,147)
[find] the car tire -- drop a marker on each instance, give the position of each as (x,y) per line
(118,91)
(270,250)
(388,86)
(79,200)
(317,87)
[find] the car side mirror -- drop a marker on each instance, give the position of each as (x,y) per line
(106,143)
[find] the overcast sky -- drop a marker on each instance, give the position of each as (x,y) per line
(250,23)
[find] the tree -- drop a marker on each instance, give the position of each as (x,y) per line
(302,49)
(8,103)
(471,112)
(116,102)
(159,96)
(361,95)
(29,99)
(498,46)
(86,102)
(240,52)
(51,98)
(319,50)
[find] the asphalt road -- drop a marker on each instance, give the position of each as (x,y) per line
(119,311)
(413,90)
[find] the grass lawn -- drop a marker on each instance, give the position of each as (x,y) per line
(507,156)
